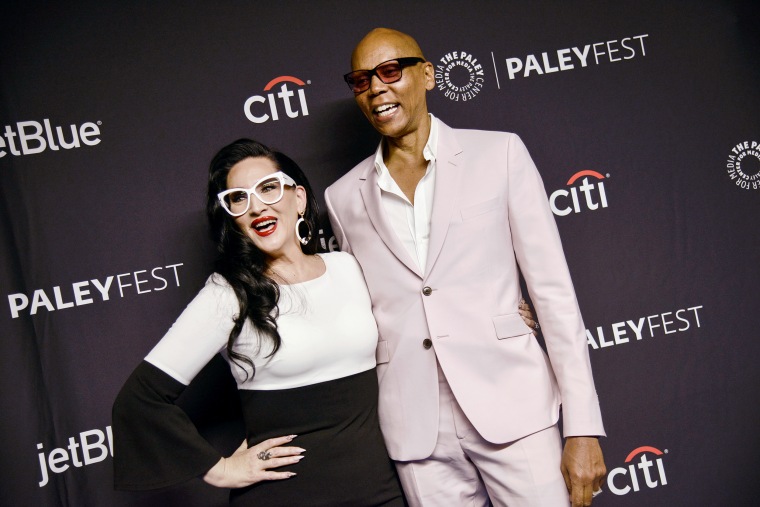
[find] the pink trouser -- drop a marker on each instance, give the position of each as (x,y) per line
(466,470)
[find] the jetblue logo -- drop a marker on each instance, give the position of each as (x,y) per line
(91,447)
(280,99)
(31,137)
(563,202)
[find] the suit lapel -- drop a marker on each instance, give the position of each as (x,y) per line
(447,180)
(371,194)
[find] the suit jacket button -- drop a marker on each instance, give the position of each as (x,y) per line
(427,291)
(427,343)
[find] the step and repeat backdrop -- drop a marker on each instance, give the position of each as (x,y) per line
(643,118)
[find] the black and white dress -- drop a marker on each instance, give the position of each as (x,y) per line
(320,385)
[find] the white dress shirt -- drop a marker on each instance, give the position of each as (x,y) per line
(411,221)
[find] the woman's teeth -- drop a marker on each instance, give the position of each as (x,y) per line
(264,225)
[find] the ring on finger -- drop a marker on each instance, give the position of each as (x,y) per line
(264,455)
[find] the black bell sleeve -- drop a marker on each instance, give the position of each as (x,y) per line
(155,442)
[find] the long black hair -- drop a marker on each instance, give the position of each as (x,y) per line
(238,260)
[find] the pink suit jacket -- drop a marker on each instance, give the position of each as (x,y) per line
(490,213)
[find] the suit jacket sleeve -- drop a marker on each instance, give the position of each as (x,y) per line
(336,226)
(539,253)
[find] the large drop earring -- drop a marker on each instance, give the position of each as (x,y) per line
(302,239)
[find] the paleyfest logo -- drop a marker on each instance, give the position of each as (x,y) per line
(743,165)
(459,75)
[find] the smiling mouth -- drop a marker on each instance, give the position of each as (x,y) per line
(264,226)
(385,110)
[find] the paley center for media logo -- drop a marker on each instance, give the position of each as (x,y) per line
(743,165)
(563,202)
(262,108)
(635,475)
(32,137)
(459,75)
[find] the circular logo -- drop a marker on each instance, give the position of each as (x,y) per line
(459,76)
(743,165)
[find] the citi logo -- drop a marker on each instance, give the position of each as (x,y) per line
(261,113)
(564,202)
(32,137)
(622,480)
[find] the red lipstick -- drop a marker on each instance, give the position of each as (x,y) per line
(264,226)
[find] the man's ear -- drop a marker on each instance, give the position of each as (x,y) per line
(429,71)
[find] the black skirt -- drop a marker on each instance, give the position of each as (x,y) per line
(345,464)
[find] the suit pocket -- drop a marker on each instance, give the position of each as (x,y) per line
(480,208)
(510,325)
(381,352)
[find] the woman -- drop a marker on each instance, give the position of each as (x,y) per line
(298,332)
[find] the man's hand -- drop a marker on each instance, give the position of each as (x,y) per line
(583,469)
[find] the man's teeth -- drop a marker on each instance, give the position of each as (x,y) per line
(385,109)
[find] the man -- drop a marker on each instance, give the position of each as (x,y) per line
(439,220)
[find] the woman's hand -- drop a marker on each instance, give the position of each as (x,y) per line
(248,466)
(526,312)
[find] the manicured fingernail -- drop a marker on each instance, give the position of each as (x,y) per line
(300,450)
(291,474)
(299,458)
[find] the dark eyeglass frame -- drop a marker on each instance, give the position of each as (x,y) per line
(406,61)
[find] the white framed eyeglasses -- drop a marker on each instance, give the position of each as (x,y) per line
(268,190)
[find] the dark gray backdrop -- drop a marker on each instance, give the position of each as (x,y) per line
(158,87)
